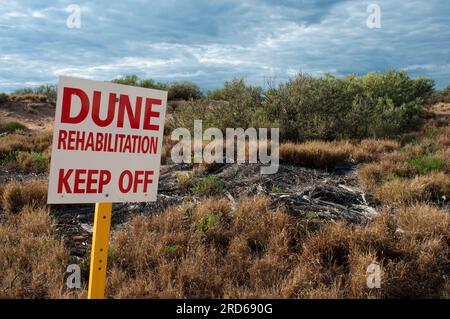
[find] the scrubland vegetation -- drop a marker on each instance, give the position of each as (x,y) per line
(213,250)
(377,105)
(41,93)
(26,153)
(382,124)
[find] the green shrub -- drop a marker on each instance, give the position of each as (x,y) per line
(17,195)
(12,126)
(374,105)
(235,105)
(184,91)
(151,84)
(305,108)
(426,163)
(4,98)
(171,249)
(311,108)
(208,221)
(207,186)
(132,80)
(236,89)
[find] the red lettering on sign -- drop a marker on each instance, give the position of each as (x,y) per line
(84,181)
(129,180)
(79,180)
(147,180)
(105,178)
(121,181)
(96,109)
(149,114)
(91,181)
(62,139)
(63,181)
(67,104)
(124,103)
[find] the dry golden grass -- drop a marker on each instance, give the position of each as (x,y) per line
(250,150)
(444,154)
(16,195)
(26,143)
(26,153)
(209,250)
(411,247)
(32,261)
(320,154)
(418,172)
(420,188)
(316,154)
(202,251)
(371,175)
(373,149)
(29,98)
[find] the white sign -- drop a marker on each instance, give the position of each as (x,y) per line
(106,143)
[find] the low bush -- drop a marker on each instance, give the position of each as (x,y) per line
(373,149)
(424,164)
(185,180)
(4,98)
(237,105)
(42,93)
(210,185)
(419,189)
(32,162)
(322,154)
(376,105)
(28,98)
(184,91)
(17,195)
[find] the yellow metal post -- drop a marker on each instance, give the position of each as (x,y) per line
(99,250)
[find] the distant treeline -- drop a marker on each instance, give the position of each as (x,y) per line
(304,108)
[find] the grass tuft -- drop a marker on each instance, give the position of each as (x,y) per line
(11,127)
(207,186)
(425,164)
(17,195)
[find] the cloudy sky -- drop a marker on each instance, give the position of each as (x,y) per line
(210,41)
